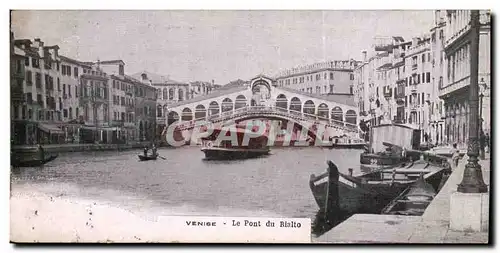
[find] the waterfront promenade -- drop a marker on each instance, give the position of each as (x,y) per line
(77,147)
(431,227)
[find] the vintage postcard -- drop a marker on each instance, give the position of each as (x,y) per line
(250,126)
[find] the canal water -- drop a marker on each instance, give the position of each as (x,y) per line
(186,184)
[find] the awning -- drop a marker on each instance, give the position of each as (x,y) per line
(52,129)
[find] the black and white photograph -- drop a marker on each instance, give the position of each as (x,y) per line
(250,126)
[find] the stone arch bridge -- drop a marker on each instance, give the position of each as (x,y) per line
(261,99)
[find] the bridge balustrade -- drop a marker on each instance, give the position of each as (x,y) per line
(273,110)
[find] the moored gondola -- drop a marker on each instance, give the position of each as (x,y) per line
(33,162)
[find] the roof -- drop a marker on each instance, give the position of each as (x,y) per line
(155,78)
(223,90)
(67,59)
(112,62)
(346,99)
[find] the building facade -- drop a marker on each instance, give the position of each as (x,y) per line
(320,78)
(455,87)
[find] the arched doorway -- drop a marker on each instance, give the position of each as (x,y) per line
(241,101)
(323,111)
(351,117)
(187,114)
(227,105)
(296,104)
(309,107)
(282,101)
(337,114)
(213,108)
(200,112)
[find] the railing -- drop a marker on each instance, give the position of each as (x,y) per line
(258,110)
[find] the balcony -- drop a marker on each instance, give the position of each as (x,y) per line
(117,123)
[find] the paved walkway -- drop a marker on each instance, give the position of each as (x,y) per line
(432,227)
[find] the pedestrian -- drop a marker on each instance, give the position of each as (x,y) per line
(482,143)
(455,155)
(487,142)
(41,152)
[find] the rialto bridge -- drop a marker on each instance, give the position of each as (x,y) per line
(261,99)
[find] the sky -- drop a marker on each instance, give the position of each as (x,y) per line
(216,45)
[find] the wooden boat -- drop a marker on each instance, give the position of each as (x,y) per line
(336,192)
(412,201)
(147,158)
(349,144)
(217,147)
(33,162)
(379,155)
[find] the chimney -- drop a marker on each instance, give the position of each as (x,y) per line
(364,56)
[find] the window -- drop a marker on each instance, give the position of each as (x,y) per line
(423,98)
(423,58)
(428,77)
(122,100)
(76,72)
(65,113)
(324,76)
(331,88)
(68,70)
(35,62)
(38,80)
(352,76)
(27,61)
(331,76)
(29,78)
(64,87)
(423,77)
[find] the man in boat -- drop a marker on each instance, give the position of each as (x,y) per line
(41,152)
(146,151)
(154,149)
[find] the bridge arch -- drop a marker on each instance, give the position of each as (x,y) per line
(323,111)
(187,114)
(351,117)
(337,113)
(296,104)
(214,108)
(309,107)
(241,101)
(200,112)
(227,105)
(282,101)
(172,117)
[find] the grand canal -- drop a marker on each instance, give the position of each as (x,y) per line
(185,184)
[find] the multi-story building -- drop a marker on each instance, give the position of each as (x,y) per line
(18,107)
(436,113)
(170,91)
(40,113)
(320,78)
(94,101)
(69,82)
(418,68)
(455,88)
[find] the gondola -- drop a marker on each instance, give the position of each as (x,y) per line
(147,158)
(336,192)
(413,201)
(32,163)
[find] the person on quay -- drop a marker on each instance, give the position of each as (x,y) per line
(482,142)
(41,152)
(455,157)
(487,142)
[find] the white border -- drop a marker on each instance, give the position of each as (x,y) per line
(185,4)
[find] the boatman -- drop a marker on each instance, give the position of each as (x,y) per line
(154,149)
(145,151)
(41,152)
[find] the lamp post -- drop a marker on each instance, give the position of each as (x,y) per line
(472,181)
